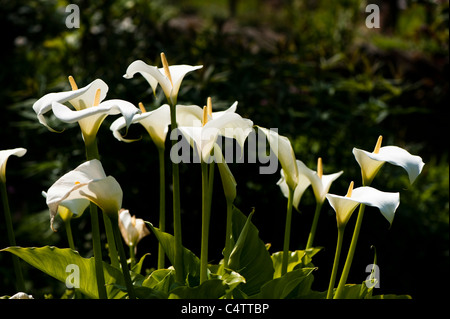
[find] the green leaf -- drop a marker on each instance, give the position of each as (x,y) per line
(54,261)
(296,259)
(249,256)
(293,284)
(356,291)
(191,262)
(210,289)
(138,267)
(161,280)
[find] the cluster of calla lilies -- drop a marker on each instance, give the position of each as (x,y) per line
(89,186)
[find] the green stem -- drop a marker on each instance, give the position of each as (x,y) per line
(287,233)
(132,256)
(91,148)
(20,284)
(162,205)
(92,153)
(227,250)
(210,183)
(336,261)
(69,234)
(123,259)
(206,214)
(351,253)
(96,243)
(179,269)
(312,233)
(112,248)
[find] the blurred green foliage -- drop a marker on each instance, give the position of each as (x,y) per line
(312,69)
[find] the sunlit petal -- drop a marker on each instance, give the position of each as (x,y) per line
(282,147)
(66,189)
(106,193)
(4,155)
(81,98)
(344,206)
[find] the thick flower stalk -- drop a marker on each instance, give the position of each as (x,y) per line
(4,155)
(229,188)
(282,147)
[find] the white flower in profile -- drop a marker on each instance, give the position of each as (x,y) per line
(86,183)
(157,122)
(282,148)
(320,183)
(132,229)
(79,98)
(371,162)
(4,155)
(169,77)
(344,206)
(204,134)
(89,108)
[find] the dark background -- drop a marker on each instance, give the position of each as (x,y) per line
(312,69)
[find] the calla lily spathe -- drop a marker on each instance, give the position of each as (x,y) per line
(371,162)
(91,118)
(133,229)
(157,122)
(282,147)
(344,206)
(79,98)
(89,111)
(227,123)
(170,83)
(4,155)
(86,183)
(320,184)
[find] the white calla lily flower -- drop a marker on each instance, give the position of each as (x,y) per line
(302,185)
(228,125)
(344,206)
(86,183)
(78,98)
(157,122)
(169,77)
(320,183)
(4,155)
(371,162)
(132,229)
(282,147)
(91,118)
